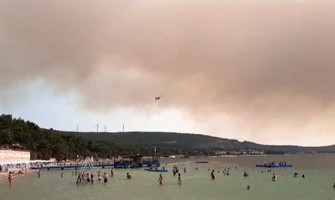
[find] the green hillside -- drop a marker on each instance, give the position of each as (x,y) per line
(45,143)
(194,141)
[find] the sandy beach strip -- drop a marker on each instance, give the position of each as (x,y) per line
(3,176)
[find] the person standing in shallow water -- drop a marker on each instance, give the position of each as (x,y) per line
(212,175)
(99,176)
(39,173)
(10,178)
(79,178)
(179,178)
(160,179)
(105,177)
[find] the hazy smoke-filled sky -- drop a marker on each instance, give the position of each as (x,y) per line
(258,70)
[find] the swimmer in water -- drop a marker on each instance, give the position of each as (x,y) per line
(128,175)
(248,187)
(160,179)
(274,177)
(303,176)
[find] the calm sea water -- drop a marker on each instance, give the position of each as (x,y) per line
(319,178)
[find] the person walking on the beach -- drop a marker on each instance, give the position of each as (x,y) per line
(160,179)
(10,178)
(62,174)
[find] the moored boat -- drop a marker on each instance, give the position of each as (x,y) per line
(270,165)
(156,170)
(202,161)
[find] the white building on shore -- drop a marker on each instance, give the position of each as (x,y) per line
(14,159)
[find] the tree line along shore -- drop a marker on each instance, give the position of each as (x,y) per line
(16,133)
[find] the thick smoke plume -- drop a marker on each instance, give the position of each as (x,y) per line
(263,62)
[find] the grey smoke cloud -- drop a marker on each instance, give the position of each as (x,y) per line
(261,61)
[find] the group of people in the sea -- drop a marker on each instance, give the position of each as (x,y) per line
(89,176)
(245,174)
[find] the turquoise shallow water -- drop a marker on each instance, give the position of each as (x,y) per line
(196,184)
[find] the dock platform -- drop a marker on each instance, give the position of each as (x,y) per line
(102,166)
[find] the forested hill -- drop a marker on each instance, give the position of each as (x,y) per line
(195,142)
(46,143)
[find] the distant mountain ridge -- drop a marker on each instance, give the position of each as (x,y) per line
(194,141)
(47,143)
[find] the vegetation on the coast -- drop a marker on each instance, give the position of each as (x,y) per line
(47,143)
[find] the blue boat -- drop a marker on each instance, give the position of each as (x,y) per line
(274,166)
(157,170)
